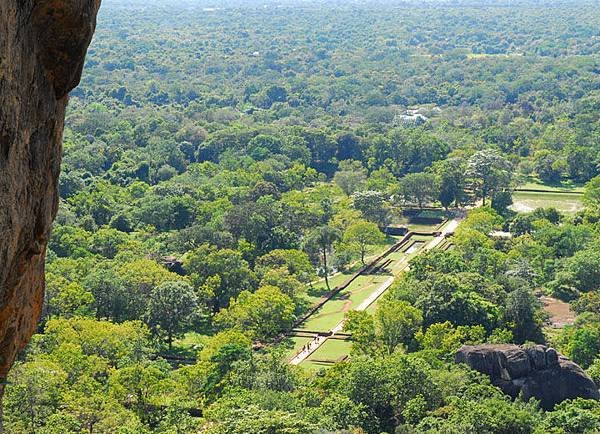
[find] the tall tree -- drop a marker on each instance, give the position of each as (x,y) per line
(372,204)
(261,315)
(591,195)
(228,272)
(322,239)
(363,234)
(488,173)
(351,176)
(450,175)
(419,188)
(171,309)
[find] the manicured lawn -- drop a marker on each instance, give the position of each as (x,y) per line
(332,312)
(361,294)
(315,366)
(319,289)
(295,343)
(331,350)
(536,184)
(426,220)
(326,317)
(526,201)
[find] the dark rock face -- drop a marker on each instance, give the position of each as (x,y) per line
(42,48)
(535,372)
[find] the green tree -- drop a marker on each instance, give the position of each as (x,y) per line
(591,195)
(295,261)
(107,242)
(419,187)
(488,173)
(172,308)
(321,239)
(445,338)
(262,314)
(522,312)
(33,394)
(450,175)
(372,205)
(361,326)
(396,322)
(66,298)
(351,176)
(117,343)
(232,271)
(363,234)
(573,416)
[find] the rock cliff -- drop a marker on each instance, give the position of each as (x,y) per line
(42,49)
(537,371)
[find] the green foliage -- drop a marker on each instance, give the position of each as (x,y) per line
(373,206)
(262,314)
(117,343)
(226,268)
(393,325)
(172,308)
(445,339)
(581,343)
(320,241)
(489,173)
(573,416)
(591,196)
(418,188)
(491,415)
(361,235)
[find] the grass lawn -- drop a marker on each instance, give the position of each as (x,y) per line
(326,317)
(332,312)
(294,343)
(319,289)
(536,184)
(315,366)
(526,201)
(331,350)
(189,344)
(426,220)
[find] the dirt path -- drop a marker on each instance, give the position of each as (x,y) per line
(560,312)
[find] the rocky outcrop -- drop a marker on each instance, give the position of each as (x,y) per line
(534,371)
(42,48)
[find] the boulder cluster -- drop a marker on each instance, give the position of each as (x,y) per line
(532,371)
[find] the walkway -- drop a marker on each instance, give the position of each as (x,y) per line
(319,340)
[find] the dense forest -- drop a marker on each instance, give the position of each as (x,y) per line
(226,164)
